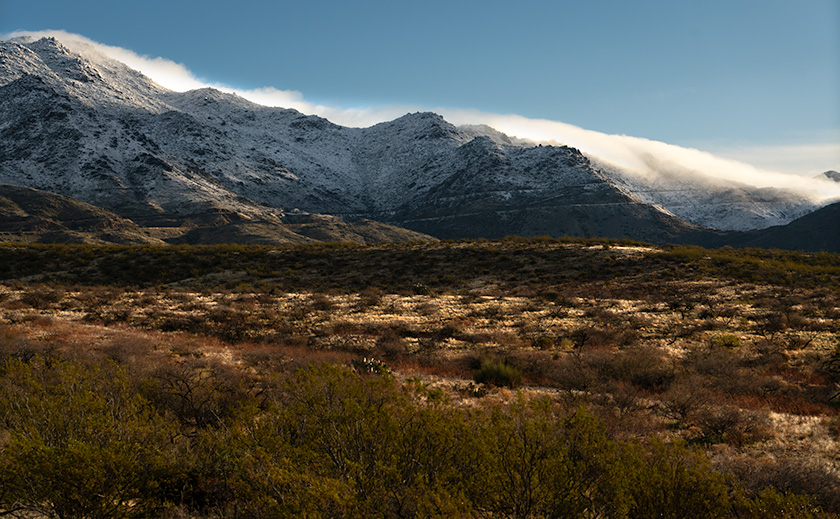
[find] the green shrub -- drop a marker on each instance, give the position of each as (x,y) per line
(674,482)
(80,444)
(544,343)
(498,374)
(772,504)
(533,461)
(727,340)
(399,450)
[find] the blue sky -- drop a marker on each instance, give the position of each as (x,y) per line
(730,77)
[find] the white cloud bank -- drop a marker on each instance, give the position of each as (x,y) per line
(644,156)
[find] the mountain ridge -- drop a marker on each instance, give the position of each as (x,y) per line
(28,214)
(830,175)
(815,232)
(100,132)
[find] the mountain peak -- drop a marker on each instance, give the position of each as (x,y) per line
(423,125)
(80,71)
(830,175)
(208,93)
(421,120)
(422,116)
(81,124)
(63,62)
(208,100)
(48,44)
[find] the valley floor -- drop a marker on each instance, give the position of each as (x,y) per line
(734,353)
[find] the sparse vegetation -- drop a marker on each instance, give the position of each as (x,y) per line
(520,378)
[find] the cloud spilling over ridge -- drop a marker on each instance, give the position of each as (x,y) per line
(789,157)
(644,156)
(641,156)
(176,76)
(165,72)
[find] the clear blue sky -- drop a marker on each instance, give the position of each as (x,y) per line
(703,74)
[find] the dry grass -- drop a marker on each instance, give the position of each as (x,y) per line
(739,368)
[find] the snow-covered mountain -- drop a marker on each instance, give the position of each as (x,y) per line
(713,202)
(86,126)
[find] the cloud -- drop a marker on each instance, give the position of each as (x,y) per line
(176,76)
(165,72)
(633,153)
(645,156)
(809,158)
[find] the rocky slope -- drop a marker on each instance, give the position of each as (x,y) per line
(815,232)
(32,215)
(86,126)
(830,175)
(713,202)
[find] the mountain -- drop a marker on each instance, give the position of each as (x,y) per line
(221,168)
(32,215)
(298,229)
(830,175)
(815,232)
(712,202)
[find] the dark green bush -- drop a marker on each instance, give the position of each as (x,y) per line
(536,461)
(773,504)
(498,374)
(543,343)
(80,440)
(726,340)
(80,444)
(670,481)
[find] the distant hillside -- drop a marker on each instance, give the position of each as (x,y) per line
(815,232)
(301,229)
(33,215)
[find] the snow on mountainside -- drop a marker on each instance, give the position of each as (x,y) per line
(75,127)
(96,80)
(713,202)
(89,127)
